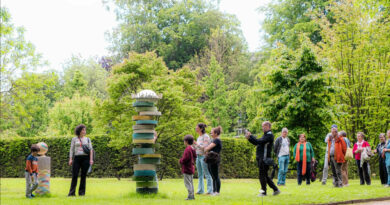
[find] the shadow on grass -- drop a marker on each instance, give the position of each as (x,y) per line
(146,196)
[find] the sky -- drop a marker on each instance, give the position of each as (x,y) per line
(62,28)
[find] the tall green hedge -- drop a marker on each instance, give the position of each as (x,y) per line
(238,159)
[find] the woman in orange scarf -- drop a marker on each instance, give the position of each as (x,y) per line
(303,155)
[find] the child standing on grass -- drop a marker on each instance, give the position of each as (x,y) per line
(31,173)
(187,162)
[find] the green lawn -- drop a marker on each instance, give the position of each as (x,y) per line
(172,191)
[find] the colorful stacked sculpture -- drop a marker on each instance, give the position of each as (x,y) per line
(143,140)
(43,170)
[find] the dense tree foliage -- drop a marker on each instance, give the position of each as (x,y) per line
(174,29)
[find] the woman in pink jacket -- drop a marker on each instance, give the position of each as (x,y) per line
(357,151)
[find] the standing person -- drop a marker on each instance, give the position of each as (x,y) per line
(382,162)
(357,151)
(303,155)
(214,158)
(282,150)
(344,166)
(264,143)
(187,162)
(31,171)
(386,152)
(337,149)
(202,167)
(79,159)
(326,161)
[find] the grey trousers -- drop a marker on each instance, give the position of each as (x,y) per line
(326,167)
(188,182)
(30,187)
(336,169)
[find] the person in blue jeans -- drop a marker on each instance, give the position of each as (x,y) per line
(282,150)
(202,167)
(386,152)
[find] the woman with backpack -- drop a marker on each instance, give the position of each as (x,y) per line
(80,157)
(358,149)
(303,155)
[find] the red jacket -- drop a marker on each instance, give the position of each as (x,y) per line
(187,161)
(340,148)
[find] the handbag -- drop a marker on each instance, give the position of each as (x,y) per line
(212,158)
(348,154)
(86,149)
(267,160)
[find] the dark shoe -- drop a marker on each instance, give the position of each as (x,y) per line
(277,192)
(32,195)
(71,195)
(29,197)
(323,183)
(198,193)
(190,198)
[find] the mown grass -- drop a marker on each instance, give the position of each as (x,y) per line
(172,191)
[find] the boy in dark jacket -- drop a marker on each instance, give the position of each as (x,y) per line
(187,165)
(31,173)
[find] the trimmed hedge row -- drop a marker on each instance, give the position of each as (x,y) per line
(238,159)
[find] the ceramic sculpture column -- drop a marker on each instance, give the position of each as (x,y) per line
(143,140)
(43,170)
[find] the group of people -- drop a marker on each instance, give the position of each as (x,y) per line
(204,152)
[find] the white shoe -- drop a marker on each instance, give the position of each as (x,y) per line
(386,185)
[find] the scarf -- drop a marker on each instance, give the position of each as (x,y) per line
(304,157)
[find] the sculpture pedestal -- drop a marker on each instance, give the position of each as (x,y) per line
(43,176)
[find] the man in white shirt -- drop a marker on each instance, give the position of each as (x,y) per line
(282,150)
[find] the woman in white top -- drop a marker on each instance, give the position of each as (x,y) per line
(78,159)
(202,142)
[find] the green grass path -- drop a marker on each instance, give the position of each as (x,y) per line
(172,191)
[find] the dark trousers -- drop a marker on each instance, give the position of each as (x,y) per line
(382,171)
(363,173)
(214,169)
(264,178)
(83,163)
(307,174)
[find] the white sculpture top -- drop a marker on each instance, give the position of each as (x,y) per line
(146,94)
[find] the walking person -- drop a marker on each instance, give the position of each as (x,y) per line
(303,155)
(263,151)
(80,157)
(344,166)
(282,150)
(213,158)
(357,151)
(187,162)
(326,162)
(386,152)
(337,150)
(203,172)
(382,161)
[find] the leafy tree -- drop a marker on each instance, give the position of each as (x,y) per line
(85,76)
(287,19)
(179,107)
(31,97)
(67,113)
(175,30)
(17,55)
(356,46)
(216,105)
(297,95)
